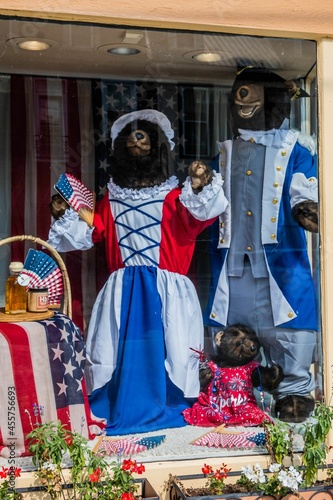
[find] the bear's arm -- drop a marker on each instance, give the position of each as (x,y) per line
(267,378)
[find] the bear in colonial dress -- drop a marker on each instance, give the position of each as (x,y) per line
(141,373)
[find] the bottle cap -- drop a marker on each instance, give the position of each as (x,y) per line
(16,267)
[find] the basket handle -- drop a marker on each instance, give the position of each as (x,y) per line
(67,305)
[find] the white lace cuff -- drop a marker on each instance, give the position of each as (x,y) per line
(70,233)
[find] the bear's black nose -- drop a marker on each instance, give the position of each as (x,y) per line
(243,92)
(139,135)
(253,348)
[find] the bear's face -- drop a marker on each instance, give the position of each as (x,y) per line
(141,156)
(260,100)
(237,345)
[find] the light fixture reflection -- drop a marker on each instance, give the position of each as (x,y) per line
(123,51)
(36,45)
(207,57)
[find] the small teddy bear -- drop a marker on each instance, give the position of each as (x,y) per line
(227,381)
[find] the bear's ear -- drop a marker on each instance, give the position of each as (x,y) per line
(218,337)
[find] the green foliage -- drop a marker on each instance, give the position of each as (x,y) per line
(314,437)
(90,476)
(279,440)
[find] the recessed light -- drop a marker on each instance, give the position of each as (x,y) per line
(33,45)
(208,57)
(123,51)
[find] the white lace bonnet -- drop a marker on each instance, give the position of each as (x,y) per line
(150,115)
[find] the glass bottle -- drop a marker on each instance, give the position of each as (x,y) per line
(16,295)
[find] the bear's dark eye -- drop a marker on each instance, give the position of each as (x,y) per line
(243,92)
(238,343)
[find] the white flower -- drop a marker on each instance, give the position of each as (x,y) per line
(290,478)
(275,467)
(48,466)
(254,474)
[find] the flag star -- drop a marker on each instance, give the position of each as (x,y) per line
(63,388)
(69,368)
(120,87)
(79,385)
(64,335)
(103,164)
(80,357)
(57,352)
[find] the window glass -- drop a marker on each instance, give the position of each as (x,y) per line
(57,108)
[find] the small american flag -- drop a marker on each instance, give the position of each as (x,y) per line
(77,195)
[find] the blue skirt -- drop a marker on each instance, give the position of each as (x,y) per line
(140,397)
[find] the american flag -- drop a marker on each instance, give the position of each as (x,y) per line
(74,192)
(42,367)
(57,126)
(240,440)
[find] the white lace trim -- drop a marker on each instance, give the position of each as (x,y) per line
(192,200)
(143,193)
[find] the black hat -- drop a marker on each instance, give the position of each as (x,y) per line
(251,74)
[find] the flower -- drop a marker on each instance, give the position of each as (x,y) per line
(7,486)
(216,479)
(91,476)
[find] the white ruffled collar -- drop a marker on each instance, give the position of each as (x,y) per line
(144,193)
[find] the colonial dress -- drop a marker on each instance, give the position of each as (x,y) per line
(141,373)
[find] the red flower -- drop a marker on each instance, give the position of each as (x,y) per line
(127,496)
(128,464)
(17,472)
(3,473)
(207,469)
(139,469)
(95,476)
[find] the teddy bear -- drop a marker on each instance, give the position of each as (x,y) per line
(140,373)
(228,379)
(260,269)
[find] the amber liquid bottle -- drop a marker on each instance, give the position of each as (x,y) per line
(16,295)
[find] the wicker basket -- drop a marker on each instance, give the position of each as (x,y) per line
(67,302)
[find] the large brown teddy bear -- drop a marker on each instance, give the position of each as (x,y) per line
(228,380)
(261,274)
(140,373)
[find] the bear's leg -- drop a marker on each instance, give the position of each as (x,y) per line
(294,408)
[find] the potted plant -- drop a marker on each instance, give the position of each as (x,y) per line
(90,475)
(283,477)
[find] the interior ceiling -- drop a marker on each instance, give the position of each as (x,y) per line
(80,50)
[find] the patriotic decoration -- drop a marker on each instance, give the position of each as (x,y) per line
(222,438)
(42,366)
(77,195)
(41,271)
(127,446)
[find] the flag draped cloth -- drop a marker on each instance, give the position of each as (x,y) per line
(42,365)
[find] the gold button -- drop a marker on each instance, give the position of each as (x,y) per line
(273,219)
(275,201)
(283,153)
(221,224)
(249,249)
(278,168)
(249,172)
(252,140)
(312,179)
(249,212)
(222,163)
(273,236)
(222,240)
(290,315)
(213,315)
(221,151)
(276,184)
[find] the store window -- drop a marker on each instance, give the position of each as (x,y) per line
(57,108)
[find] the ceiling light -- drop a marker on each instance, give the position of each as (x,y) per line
(123,51)
(34,45)
(208,57)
